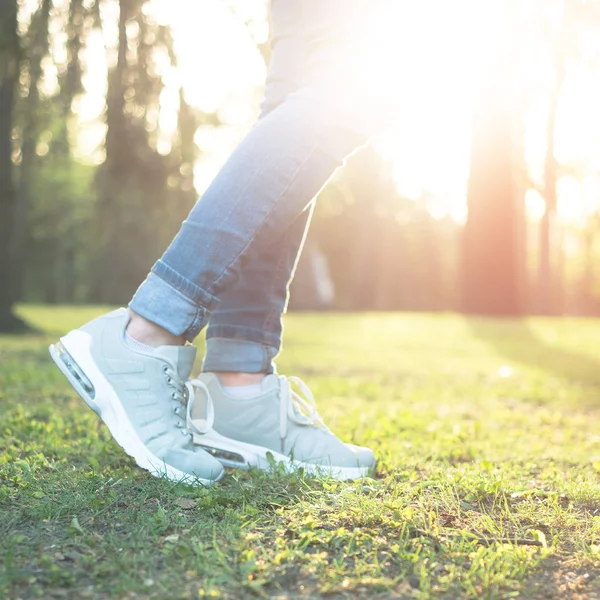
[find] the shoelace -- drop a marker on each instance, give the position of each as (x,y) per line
(301,410)
(199,425)
(184,395)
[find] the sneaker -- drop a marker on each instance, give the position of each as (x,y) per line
(278,425)
(141,397)
(366,456)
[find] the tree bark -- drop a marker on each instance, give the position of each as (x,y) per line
(492,250)
(549,272)
(39,49)
(9,77)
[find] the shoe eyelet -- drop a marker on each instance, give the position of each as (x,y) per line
(165,368)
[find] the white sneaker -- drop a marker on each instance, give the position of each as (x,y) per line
(279,424)
(141,397)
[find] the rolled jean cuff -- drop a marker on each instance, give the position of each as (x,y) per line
(163,304)
(238,356)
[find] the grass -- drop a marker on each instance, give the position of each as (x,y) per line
(488,434)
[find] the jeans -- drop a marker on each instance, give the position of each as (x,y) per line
(230,265)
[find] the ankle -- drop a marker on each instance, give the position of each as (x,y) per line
(149,333)
(230,379)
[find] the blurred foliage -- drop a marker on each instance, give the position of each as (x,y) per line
(85,230)
(384,251)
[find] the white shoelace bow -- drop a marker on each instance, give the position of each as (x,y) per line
(300,410)
(200,426)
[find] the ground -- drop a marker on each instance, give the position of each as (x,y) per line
(488,435)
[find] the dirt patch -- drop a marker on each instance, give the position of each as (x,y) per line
(557,579)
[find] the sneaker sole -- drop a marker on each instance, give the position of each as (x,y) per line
(73,357)
(240,455)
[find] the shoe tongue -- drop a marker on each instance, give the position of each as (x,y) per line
(270,382)
(181,358)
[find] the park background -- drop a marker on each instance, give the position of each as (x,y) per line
(483,195)
(443,289)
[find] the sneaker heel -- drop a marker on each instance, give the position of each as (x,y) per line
(73,372)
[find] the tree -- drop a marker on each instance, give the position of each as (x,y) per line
(37,51)
(563,42)
(492,249)
(143,194)
(9,77)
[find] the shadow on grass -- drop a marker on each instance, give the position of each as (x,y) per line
(515,340)
(11,324)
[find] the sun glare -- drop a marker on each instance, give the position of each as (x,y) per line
(428,66)
(424,65)
(425,56)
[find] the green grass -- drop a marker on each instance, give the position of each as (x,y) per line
(488,434)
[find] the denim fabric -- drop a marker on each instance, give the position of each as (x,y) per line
(231,263)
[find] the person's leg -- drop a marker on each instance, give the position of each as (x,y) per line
(243,337)
(244,331)
(140,391)
(273,175)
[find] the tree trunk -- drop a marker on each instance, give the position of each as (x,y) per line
(113,272)
(586,300)
(9,76)
(548,301)
(39,49)
(491,251)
